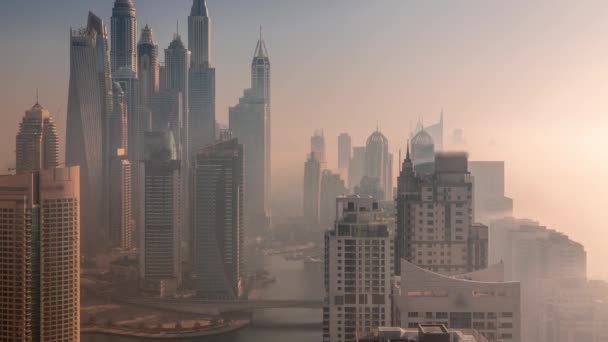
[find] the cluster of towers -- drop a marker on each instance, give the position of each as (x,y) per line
(158,182)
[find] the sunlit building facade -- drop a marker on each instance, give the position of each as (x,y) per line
(359,258)
(37,143)
(40,259)
(435,222)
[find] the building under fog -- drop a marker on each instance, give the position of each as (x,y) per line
(491,307)
(40,259)
(218,225)
(161,214)
(37,142)
(332,186)
(379,163)
(435,222)
(250,124)
(435,131)
(317,146)
(89,107)
(312,190)
(490,200)
(423,153)
(356,167)
(344,155)
(552,271)
(201,78)
(358,270)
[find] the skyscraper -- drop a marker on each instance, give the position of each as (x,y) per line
(423,152)
(332,186)
(249,124)
(177,64)
(87,133)
(435,223)
(435,131)
(356,168)
(202,78)
(119,121)
(490,200)
(344,155)
(148,68)
(124,36)
(160,261)
(358,270)
(121,220)
(312,189)
(378,163)
(37,143)
(40,259)
(317,146)
(260,72)
(199,34)
(218,232)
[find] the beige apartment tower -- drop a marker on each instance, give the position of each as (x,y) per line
(37,143)
(40,262)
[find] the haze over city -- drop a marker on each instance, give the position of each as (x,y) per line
(252,183)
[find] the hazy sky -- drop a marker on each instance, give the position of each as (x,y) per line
(527,81)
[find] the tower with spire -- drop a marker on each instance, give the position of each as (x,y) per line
(37,143)
(202,78)
(124,35)
(260,70)
(147,68)
(250,123)
(199,34)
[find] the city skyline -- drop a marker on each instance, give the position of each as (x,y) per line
(452,55)
(441,188)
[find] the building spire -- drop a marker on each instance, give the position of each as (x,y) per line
(260,49)
(37,102)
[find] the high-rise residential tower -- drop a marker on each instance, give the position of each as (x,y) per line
(202,78)
(124,36)
(250,124)
(87,132)
(161,214)
(378,163)
(359,260)
(344,155)
(312,189)
(317,146)
(177,64)
(332,186)
(356,167)
(121,220)
(218,232)
(148,68)
(40,259)
(435,222)
(37,143)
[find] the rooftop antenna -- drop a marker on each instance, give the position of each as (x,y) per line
(260,32)
(37,96)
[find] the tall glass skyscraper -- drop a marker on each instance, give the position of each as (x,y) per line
(124,36)
(87,131)
(218,235)
(202,78)
(148,68)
